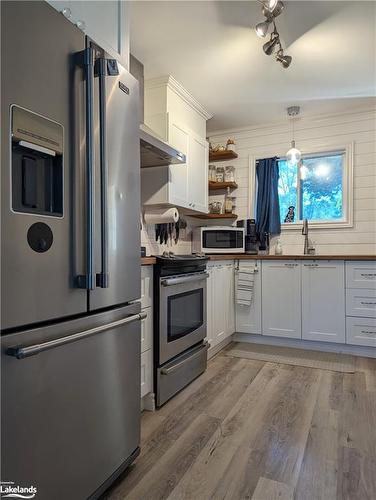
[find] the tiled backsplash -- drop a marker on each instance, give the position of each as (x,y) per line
(184,245)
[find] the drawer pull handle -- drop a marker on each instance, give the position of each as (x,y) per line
(368,275)
(368,303)
(368,332)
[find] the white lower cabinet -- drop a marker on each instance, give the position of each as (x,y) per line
(248,318)
(146,372)
(361,303)
(147,330)
(323,301)
(281,299)
(361,331)
(220,302)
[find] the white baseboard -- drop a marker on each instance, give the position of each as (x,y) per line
(218,347)
(369,352)
(148,402)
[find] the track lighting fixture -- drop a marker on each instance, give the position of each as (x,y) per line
(272,9)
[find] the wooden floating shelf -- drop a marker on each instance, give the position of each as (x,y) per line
(216,186)
(215,216)
(222,156)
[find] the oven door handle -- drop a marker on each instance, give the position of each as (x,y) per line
(186,279)
(167,371)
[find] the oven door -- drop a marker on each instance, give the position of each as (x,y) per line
(182,315)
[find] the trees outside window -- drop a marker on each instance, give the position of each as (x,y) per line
(314,188)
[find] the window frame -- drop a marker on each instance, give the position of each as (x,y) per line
(347,183)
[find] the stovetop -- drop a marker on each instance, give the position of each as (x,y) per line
(171,257)
(169,263)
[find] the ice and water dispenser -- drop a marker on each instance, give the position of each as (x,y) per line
(37,172)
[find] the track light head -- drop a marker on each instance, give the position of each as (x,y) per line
(284,60)
(273,8)
(270,46)
(262,28)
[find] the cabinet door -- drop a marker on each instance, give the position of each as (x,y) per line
(248,318)
(147,330)
(230,299)
(281,303)
(105,21)
(323,301)
(146,372)
(178,175)
(209,307)
(146,286)
(198,173)
(361,275)
(219,304)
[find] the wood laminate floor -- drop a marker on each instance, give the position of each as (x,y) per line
(257,430)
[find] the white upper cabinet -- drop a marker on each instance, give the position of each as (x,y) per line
(104,21)
(178,174)
(248,318)
(198,174)
(323,301)
(281,299)
(175,116)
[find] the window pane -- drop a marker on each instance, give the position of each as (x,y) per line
(321,188)
(287,189)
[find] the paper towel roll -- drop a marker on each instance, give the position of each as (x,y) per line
(161,216)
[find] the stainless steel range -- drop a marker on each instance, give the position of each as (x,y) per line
(179,322)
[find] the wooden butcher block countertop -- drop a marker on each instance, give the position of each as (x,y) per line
(145,261)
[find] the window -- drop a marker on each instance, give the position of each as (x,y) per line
(314,190)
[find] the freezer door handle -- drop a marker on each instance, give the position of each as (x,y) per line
(101,72)
(86,59)
(20,352)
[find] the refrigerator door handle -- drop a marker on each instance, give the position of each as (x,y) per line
(87,280)
(101,71)
(20,352)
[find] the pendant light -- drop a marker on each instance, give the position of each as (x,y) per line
(293,155)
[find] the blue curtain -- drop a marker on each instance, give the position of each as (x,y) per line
(267,210)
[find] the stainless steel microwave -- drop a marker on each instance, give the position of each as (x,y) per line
(218,239)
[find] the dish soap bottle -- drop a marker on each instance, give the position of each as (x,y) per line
(278,247)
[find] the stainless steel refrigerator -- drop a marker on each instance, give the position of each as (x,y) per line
(70,266)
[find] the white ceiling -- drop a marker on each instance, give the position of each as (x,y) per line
(212,50)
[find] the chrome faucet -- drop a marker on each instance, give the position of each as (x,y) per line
(305,233)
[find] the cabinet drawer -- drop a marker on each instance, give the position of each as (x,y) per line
(361,302)
(146,372)
(361,275)
(146,286)
(361,331)
(147,330)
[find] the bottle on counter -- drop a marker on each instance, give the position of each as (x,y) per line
(278,247)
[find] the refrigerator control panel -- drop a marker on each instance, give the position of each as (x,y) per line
(36,163)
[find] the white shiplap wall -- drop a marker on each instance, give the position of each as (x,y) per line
(311,134)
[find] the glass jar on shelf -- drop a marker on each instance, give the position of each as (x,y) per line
(219,174)
(229,173)
(212,173)
(215,207)
(229,202)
